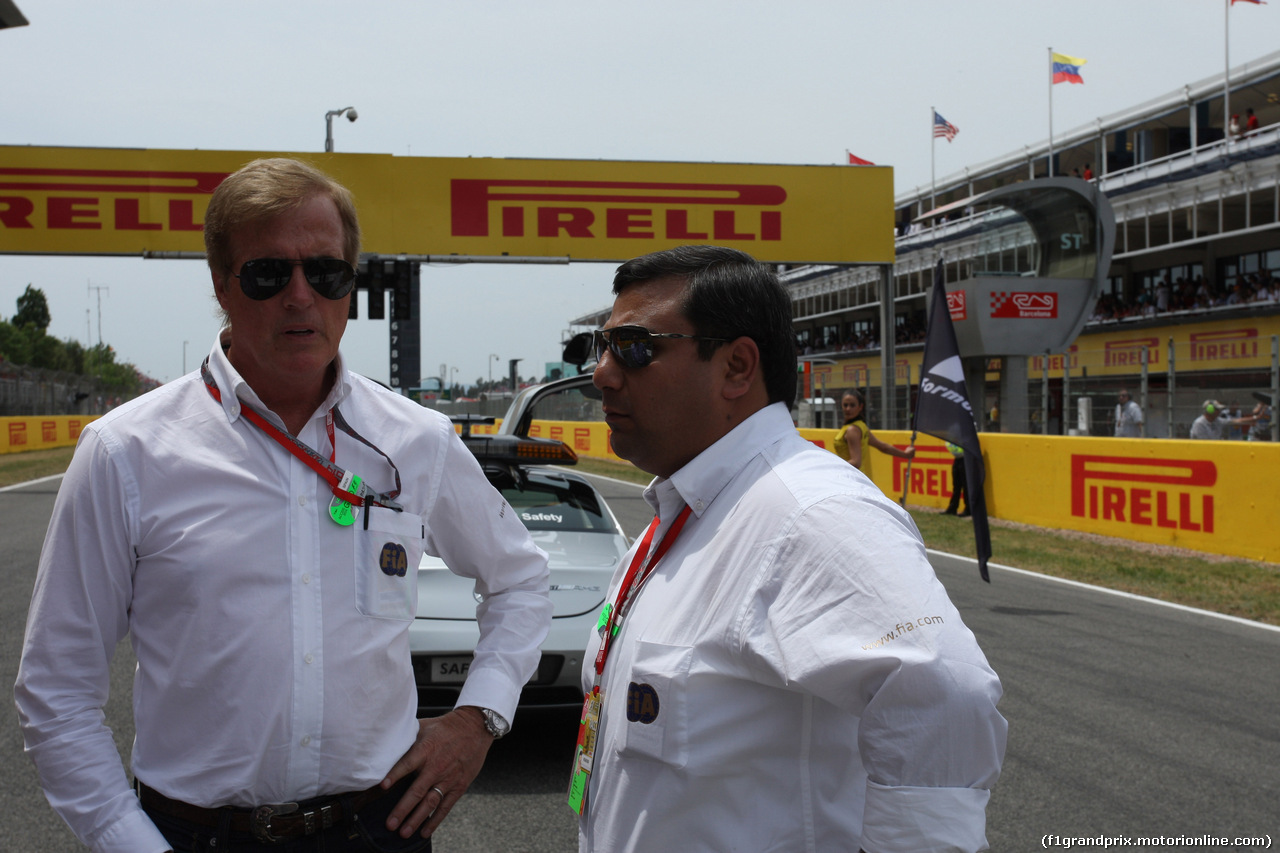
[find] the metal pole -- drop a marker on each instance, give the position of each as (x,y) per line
(1226,71)
(1050,173)
(933,168)
(888,344)
(1066,390)
(1275,387)
(1171,383)
(1142,394)
(1044,396)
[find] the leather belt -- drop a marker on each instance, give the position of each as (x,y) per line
(269,824)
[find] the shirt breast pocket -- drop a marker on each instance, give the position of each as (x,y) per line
(656,707)
(388,551)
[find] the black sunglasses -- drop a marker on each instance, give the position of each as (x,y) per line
(263,278)
(633,345)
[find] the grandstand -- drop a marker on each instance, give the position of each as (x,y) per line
(1190,284)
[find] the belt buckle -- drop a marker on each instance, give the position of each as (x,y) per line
(261,822)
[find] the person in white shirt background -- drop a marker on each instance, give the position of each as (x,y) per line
(783,671)
(1128,417)
(267,592)
(1212,423)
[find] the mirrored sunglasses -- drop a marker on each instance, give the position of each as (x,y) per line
(632,346)
(263,278)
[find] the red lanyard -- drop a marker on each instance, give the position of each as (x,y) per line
(328,470)
(642,565)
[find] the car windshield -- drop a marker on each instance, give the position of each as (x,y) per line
(553,503)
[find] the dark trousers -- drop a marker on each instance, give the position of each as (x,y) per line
(365,833)
(958,482)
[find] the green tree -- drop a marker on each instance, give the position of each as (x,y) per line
(33,310)
(49,353)
(15,343)
(100,361)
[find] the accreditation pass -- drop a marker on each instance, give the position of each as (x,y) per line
(585,752)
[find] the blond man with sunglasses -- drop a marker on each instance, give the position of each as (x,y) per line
(777,666)
(255,527)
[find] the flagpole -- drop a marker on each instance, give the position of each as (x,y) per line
(1050,113)
(933,148)
(1226,71)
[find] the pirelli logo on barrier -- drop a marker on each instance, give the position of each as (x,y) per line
(722,213)
(1128,353)
(1069,360)
(930,471)
(1169,493)
(1224,345)
(104,199)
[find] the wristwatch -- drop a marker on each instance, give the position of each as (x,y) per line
(494,723)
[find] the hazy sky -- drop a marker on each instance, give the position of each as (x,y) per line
(745,82)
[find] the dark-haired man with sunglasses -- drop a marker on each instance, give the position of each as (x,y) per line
(256,527)
(777,666)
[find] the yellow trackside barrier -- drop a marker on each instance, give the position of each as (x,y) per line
(41,433)
(1214,496)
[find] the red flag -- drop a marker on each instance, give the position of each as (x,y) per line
(855,160)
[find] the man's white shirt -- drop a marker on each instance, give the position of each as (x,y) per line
(792,677)
(272,643)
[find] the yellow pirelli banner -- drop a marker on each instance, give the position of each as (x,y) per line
(41,433)
(144,201)
(1202,495)
(1243,342)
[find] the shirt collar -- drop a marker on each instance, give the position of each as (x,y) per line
(699,482)
(236,391)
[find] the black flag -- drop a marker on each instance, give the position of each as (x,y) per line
(943,411)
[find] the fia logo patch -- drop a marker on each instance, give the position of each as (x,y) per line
(394,560)
(642,703)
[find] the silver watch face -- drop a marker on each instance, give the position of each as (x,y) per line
(495,724)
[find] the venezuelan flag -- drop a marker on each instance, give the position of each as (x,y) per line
(1066,69)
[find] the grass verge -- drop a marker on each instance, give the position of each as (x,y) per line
(1211,582)
(33,464)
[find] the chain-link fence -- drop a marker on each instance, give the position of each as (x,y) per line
(31,392)
(1079,393)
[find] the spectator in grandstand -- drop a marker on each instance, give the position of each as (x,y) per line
(855,435)
(1162,295)
(1266,289)
(1128,417)
(1233,129)
(1088,172)
(1251,121)
(1204,297)
(1239,294)
(1212,424)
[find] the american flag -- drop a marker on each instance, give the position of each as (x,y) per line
(942,127)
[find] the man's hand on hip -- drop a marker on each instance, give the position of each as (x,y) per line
(447,756)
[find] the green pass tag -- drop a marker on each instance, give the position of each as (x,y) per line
(340,510)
